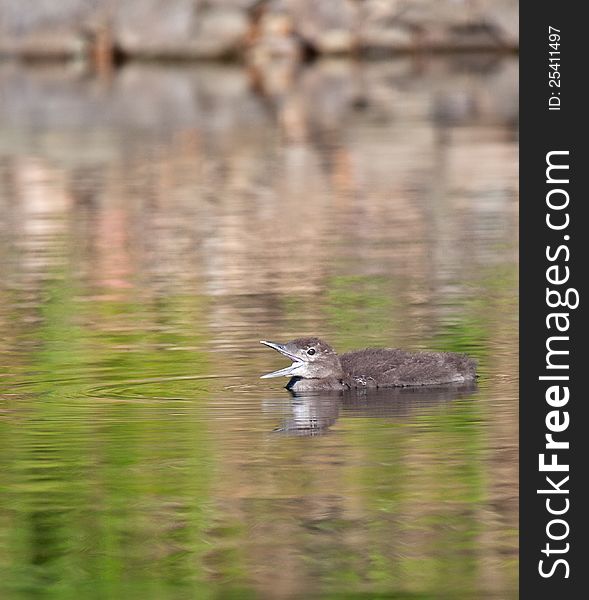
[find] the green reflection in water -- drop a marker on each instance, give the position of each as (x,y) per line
(421,481)
(360,308)
(109,465)
(105,488)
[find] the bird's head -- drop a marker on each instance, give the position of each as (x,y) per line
(312,359)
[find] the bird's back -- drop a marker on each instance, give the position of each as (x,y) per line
(389,367)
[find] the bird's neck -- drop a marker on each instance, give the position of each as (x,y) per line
(303,384)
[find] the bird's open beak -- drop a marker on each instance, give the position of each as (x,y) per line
(287,371)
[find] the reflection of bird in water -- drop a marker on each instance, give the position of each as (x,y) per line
(317,367)
(313,414)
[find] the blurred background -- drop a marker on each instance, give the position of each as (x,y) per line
(180,179)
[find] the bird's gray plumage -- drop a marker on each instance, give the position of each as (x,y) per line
(391,367)
(316,366)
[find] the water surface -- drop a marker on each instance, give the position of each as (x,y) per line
(155,224)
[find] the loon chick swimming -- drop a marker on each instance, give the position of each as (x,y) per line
(316,367)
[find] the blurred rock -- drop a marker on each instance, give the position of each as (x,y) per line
(265,28)
(329,26)
(180,28)
(385,26)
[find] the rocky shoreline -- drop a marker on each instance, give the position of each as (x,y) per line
(250,30)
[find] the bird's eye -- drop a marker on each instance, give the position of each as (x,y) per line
(311,351)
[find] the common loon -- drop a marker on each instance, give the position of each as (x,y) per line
(317,366)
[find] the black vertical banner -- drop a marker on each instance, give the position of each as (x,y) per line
(554,429)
